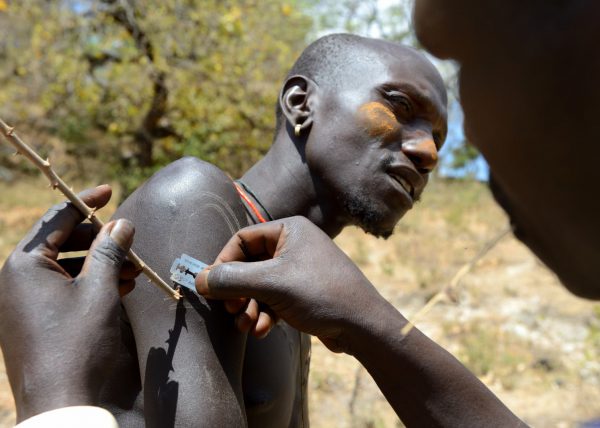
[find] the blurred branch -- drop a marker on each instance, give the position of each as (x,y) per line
(449,291)
(124,13)
(355,391)
(95,61)
(90,213)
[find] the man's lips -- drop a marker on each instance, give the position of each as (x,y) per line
(409,179)
(406,185)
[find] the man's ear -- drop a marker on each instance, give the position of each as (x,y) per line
(296,101)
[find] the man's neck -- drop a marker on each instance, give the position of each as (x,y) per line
(281,181)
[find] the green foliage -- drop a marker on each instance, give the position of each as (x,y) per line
(138,84)
(133,85)
(463,154)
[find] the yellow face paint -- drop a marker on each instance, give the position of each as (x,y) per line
(377,119)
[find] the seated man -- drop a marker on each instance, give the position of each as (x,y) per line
(359,126)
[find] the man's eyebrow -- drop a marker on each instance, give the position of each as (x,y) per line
(413,92)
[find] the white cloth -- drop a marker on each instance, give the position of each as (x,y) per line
(72,417)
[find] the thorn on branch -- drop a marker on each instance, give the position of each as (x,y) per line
(56,183)
(452,295)
(17,153)
(91,214)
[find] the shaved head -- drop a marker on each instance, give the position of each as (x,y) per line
(336,59)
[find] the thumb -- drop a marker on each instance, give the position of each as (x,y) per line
(236,280)
(108,252)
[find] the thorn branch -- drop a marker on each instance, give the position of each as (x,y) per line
(90,213)
(448,292)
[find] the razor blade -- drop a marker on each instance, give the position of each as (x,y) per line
(184,271)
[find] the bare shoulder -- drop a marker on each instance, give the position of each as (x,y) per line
(189,207)
(184,178)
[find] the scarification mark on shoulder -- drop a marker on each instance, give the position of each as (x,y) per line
(225,217)
(223,205)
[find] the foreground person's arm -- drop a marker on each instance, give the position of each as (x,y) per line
(312,285)
(59,324)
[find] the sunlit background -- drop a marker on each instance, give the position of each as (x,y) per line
(112,90)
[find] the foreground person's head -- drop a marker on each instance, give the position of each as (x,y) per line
(531,98)
(368,117)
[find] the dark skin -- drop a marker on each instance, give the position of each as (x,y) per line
(510,77)
(188,207)
(425,385)
(438,29)
(531,98)
(385,125)
(40,301)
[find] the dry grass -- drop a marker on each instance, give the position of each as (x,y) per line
(534,344)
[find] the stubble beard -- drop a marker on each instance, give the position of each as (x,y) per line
(363,210)
(364,214)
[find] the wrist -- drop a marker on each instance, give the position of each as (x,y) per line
(36,398)
(72,417)
(371,329)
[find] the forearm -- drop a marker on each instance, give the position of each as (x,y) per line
(425,385)
(43,396)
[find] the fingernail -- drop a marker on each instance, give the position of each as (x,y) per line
(202,280)
(265,334)
(122,233)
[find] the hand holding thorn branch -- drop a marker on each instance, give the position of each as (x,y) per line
(90,213)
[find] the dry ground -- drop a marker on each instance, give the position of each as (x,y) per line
(531,342)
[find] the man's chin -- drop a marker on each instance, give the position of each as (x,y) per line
(378,233)
(366,215)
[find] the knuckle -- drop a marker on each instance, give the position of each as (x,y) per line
(220,275)
(299,223)
(19,260)
(61,207)
(297,219)
(57,207)
(109,252)
(12,262)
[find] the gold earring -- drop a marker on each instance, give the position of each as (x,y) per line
(297,129)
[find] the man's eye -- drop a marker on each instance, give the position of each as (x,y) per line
(405,105)
(401,103)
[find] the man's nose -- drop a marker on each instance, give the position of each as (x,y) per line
(422,152)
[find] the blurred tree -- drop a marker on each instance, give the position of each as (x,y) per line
(137,84)
(464,154)
(373,18)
